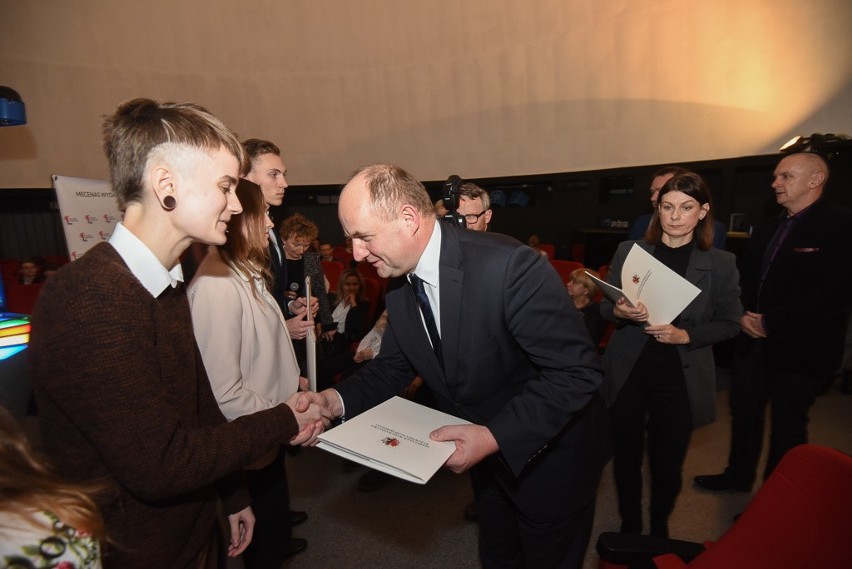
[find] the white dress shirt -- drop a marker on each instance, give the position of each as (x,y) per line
(428,268)
(142,262)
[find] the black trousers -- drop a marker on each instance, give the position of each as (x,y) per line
(653,399)
(270,502)
(754,385)
(510,540)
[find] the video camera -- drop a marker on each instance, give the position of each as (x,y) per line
(450,198)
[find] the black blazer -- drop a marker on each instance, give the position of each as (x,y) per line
(279,279)
(517,359)
(805,298)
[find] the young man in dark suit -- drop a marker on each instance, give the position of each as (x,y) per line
(269,487)
(795,289)
(499,343)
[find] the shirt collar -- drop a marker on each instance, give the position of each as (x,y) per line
(143,263)
(427,266)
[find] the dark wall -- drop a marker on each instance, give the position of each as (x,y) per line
(562,208)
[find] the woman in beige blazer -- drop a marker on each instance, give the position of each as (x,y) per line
(249,357)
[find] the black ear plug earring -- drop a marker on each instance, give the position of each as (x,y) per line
(169,203)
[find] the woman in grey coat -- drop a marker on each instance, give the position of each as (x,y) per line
(661,379)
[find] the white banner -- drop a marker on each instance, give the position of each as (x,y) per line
(89,212)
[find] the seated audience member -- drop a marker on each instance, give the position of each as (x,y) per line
(44,520)
(582,290)
(534,241)
(326,252)
(249,359)
(370,345)
(122,393)
(350,316)
(30,271)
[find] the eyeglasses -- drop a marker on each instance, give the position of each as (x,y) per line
(472,218)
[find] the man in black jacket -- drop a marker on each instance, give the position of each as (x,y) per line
(795,287)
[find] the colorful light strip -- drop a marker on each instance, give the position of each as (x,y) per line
(14,330)
(14,334)
(11,351)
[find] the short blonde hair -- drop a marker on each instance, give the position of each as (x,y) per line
(579,276)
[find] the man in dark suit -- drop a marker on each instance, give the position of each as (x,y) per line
(795,289)
(498,342)
(268,171)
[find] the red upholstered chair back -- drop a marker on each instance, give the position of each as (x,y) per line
(9,271)
(565,268)
(548,248)
(799,518)
(340,252)
(22,298)
(332,271)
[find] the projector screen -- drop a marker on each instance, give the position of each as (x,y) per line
(474,87)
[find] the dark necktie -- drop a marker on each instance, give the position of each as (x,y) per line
(772,249)
(428,316)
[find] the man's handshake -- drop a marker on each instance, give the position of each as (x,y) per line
(314,412)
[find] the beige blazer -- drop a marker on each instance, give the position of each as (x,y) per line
(243,341)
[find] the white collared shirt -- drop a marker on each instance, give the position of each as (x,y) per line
(142,262)
(428,268)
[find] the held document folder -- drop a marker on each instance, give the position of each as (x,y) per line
(393,437)
(645,279)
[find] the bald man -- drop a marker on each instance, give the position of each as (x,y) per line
(487,324)
(795,290)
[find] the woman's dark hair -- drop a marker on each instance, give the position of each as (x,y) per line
(695,187)
(246,250)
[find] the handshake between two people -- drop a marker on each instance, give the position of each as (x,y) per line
(315,411)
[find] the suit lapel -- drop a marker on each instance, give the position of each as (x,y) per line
(451,290)
(699,267)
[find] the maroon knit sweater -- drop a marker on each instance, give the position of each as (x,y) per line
(124,399)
